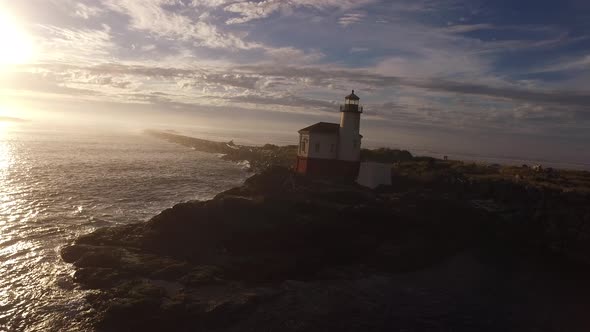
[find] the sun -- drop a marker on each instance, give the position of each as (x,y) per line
(16,45)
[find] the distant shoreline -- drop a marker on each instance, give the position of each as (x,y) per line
(509,160)
(258,158)
(252,151)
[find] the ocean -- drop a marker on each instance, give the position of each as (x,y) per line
(56,184)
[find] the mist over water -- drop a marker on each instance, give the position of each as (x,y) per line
(56,185)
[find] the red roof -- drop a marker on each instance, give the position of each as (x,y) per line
(322,127)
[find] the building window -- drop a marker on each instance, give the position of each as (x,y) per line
(332,147)
(317,147)
(302,145)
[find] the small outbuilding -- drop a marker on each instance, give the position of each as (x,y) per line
(374,174)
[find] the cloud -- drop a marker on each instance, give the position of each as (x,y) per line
(359,49)
(57,44)
(567,64)
(44,83)
(351,18)
(86,12)
(150,16)
(249,10)
(286,100)
(435,63)
(463,28)
(270,84)
(195,31)
(292,55)
(377,81)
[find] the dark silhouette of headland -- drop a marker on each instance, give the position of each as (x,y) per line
(449,246)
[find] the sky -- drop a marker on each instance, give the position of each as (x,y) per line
(494,78)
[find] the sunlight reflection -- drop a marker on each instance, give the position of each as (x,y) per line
(7,202)
(6,157)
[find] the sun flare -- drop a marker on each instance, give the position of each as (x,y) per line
(17,46)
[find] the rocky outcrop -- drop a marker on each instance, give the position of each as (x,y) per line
(545,218)
(548,212)
(289,253)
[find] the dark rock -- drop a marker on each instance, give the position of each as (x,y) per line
(289,253)
(107,257)
(98,277)
(71,254)
(172,271)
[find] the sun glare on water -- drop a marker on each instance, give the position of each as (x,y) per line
(17,46)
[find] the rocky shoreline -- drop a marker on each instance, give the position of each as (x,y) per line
(289,253)
(257,157)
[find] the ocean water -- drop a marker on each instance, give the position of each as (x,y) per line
(57,184)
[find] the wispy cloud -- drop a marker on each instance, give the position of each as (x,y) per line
(351,18)
(568,64)
(58,44)
(265,85)
(251,10)
(463,28)
(86,12)
(150,16)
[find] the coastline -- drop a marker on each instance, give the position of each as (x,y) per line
(285,252)
(259,158)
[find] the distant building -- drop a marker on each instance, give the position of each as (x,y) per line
(332,149)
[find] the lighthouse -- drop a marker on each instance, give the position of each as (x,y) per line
(333,149)
(349,132)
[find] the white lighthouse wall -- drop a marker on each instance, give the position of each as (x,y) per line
(350,138)
(350,147)
(327,143)
(350,122)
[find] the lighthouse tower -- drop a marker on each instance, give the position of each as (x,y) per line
(350,120)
